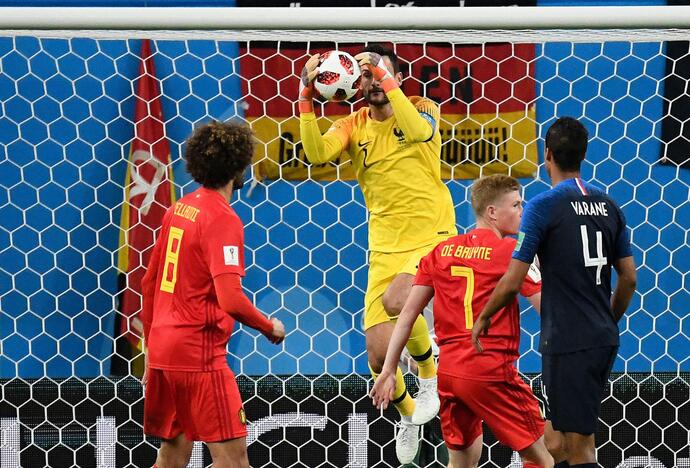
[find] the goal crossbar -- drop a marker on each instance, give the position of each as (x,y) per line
(422,18)
(412,25)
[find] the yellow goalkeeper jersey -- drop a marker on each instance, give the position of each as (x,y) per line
(398,168)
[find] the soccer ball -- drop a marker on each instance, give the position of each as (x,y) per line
(338,77)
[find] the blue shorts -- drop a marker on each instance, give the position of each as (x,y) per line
(573,385)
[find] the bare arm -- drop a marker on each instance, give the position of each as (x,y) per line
(625,286)
(383,389)
(414,305)
(506,290)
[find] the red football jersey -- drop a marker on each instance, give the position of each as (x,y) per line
(464,270)
(201,238)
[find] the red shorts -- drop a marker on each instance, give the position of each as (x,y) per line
(206,406)
(509,409)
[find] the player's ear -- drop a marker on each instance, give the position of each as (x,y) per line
(548,154)
(491,212)
(399,78)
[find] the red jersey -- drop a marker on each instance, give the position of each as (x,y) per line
(201,238)
(464,270)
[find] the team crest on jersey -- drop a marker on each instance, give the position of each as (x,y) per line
(399,134)
(521,237)
(243,416)
(231,255)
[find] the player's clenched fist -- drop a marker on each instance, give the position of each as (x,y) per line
(278,333)
(306,84)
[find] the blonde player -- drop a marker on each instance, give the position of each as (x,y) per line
(475,388)
(394,144)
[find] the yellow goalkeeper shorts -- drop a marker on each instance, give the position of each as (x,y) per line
(383,267)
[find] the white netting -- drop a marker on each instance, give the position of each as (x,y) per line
(67,119)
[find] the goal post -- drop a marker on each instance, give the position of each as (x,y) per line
(69,82)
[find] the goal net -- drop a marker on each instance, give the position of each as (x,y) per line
(92,126)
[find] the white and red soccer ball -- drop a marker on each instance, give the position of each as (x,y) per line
(338,77)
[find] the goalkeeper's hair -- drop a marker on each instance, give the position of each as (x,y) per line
(384,51)
(217,152)
(567,140)
(487,190)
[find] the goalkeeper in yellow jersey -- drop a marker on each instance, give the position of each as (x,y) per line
(394,145)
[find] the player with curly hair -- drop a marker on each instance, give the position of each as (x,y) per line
(192,297)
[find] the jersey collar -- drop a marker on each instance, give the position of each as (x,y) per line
(577,183)
(211,193)
(484,232)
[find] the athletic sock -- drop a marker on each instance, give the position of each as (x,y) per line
(402,400)
(563,464)
(419,346)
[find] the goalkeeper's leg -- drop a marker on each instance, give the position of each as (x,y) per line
(378,328)
(419,346)
(377,338)
(407,436)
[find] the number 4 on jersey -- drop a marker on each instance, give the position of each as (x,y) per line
(599,261)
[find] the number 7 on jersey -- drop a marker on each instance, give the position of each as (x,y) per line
(468,274)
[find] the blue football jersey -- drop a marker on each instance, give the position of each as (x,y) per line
(577,232)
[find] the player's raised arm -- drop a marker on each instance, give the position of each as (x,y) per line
(418,125)
(384,387)
(318,148)
(232,299)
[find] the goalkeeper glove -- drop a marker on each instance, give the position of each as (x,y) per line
(374,63)
(306,84)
